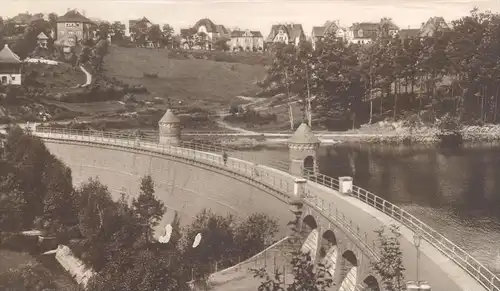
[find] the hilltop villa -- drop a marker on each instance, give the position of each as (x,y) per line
(10,67)
(207,29)
(333,27)
(286,33)
(247,40)
(73,27)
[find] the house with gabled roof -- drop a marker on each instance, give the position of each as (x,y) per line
(432,26)
(247,40)
(363,32)
(330,27)
(74,25)
(10,67)
(290,33)
(207,29)
(141,24)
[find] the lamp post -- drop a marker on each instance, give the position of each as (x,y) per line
(417,238)
(417,285)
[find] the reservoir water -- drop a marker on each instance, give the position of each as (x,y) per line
(457,192)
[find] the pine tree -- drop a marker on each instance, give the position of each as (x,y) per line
(390,266)
(147,207)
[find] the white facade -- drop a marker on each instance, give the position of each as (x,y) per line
(281,36)
(10,79)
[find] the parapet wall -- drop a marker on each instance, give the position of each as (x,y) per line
(183,186)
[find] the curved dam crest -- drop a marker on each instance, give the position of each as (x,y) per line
(183,187)
(189,181)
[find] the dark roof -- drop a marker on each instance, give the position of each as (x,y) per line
(434,24)
(303,135)
(409,33)
(370,29)
(221,29)
(211,27)
(292,30)
(391,25)
(8,57)
(73,16)
(169,117)
(134,22)
(320,31)
(240,33)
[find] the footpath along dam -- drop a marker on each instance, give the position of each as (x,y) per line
(338,220)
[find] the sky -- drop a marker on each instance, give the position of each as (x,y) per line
(256,14)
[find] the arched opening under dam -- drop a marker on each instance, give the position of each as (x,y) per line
(328,251)
(350,270)
(310,232)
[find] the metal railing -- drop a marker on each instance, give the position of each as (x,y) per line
(452,251)
(204,153)
(283,186)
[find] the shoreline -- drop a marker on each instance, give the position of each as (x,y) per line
(393,138)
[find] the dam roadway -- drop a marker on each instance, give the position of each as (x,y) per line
(199,178)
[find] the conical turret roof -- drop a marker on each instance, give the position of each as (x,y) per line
(169,117)
(8,57)
(303,135)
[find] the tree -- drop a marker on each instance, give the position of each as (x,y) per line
(305,277)
(104,30)
(28,277)
(189,37)
(148,208)
(201,40)
(168,36)
(221,45)
(155,35)
(217,243)
(255,234)
(390,266)
(117,30)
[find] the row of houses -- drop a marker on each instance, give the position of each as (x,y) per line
(292,33)
(74,27)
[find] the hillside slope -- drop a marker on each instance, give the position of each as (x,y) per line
(189,80)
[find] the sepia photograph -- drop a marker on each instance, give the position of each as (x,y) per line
(249,145)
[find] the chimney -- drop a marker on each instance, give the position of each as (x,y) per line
(408,27)
(423,23)
(83,12)
(338,22)
(67,9)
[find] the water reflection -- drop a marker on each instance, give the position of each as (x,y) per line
(457,192)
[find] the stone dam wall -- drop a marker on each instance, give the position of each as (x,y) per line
(184,187)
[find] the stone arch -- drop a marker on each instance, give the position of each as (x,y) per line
(328,251)
(310,232)
(370,283)
(349,271)
(309,163)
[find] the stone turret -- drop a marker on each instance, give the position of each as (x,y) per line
(303,148)
(169,128)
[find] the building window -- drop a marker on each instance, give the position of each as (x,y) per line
(4,80)
(71,32)
(13,78)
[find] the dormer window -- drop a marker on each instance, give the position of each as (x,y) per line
(280,31)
